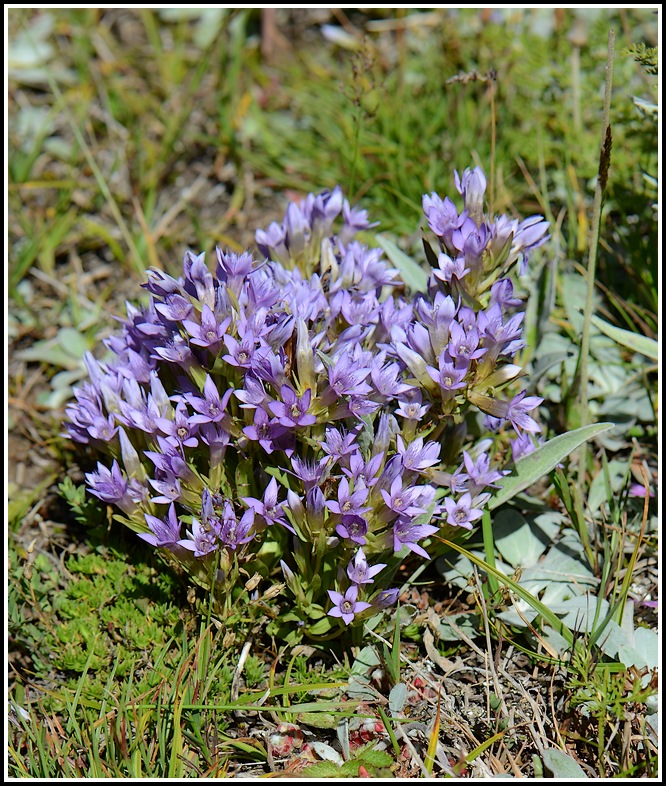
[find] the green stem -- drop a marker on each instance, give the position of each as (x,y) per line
(604,162)
(489,549)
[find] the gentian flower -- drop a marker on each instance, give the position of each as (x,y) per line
(347,605)
(360,572)
(517,412)
(163,532)
(292,411)
(461,513)
(211,407)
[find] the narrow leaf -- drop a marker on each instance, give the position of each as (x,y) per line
(545,458)
(627,338)
(412,274)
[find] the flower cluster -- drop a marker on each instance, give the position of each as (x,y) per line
(300,414)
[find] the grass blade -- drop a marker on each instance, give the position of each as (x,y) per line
(535,603)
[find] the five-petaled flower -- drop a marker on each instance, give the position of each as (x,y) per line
(347,606)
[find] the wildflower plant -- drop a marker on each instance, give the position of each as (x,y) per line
(300,415)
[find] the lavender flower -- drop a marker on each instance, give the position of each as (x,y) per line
(354,528)
(407,533)
(416,456)
(211,407)
(233,533)
(202,540)
(349,504)
(461,513)
(347,605)
(360,572)
(268,508)
(518,409)
(163,532)
(109,485)
(292,411)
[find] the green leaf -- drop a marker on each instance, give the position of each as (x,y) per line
(322,769)
(412,274)
(545,458)
(561,764)
(374,757)
(627,338)
(521,542)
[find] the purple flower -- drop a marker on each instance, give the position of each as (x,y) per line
(461,513)
(160,283)
(240,352)
(518,409)
(353,528)
(522,445)
(501,293)
(415,456)
(202,539)
(311,473)
(401,501)
(360,572)
(339,444)
(269,508)
(103,428)
(356,220)
(211,407)
(386,379)
(530,234)
(232,268)
(347,605)
(638,490)
(406,533)
(292,411)
(349,504)
(449,375)
(345,378)
(472,187)
(264,430)
(169,488)
(176,350)
(234,533)
(450,268)
(442,215)
(163,532)
(110,485)
(386,598)
(209,333)
(360,472)
(181,430)
(272,242)
(480,474)
(252,394)
(175,308)
(214,435)
(198,279)
(412,408)
(464,345)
